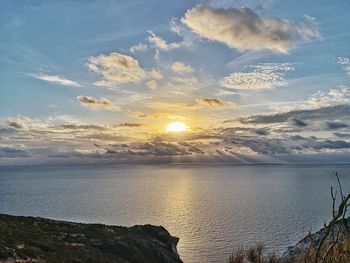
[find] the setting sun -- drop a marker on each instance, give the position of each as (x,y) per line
(176,127)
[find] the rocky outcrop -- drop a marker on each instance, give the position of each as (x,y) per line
(302,246)
(30,239)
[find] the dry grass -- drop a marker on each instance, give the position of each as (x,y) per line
(257,254)
(254,254)
(332,247)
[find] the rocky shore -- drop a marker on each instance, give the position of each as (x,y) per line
(32,239)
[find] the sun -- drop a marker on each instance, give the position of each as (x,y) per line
(176,127)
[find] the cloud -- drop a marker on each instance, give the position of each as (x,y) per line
(22,123)
(97,104)
(346,63)
(93,127)
(332,97)
(243,29)
(116,68)
(210,101)
(188,36)
(181,68)
(198,104)
(296,122)
(328,112)
(311,19)
(188,81)
(160,43)
(173,106)
(11,152)
(263,76)
(262,132)
(342,135)
(329,144)
(130,125)
(140,47)
(55,79)
(156,74)
(129,142)
(142,115)
(152,84)
(335,125)
(15,124)
(343,61)
(320,99)
(322,111)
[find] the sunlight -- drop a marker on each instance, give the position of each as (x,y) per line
(176,127)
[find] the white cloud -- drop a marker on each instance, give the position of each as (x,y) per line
(156,74)
(116,68)
(152,84)
(174,106)
(181,68)
(311,19)
(346,63)
(331,98)
(263,76)
(195,105)
(97,104)
(55,79)
(318,100)
(189,81)
(188,36)
(243,29)
(160,43)
(140,47)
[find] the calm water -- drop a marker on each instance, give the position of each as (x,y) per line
(213,209)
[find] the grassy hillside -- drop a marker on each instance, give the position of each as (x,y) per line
(43,240)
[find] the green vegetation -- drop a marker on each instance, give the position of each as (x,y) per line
(43,240)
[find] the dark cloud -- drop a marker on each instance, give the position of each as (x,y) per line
(130,125)
(10,152)
(262,132)
(160,148)
(211,102)
(334,125)
(94,103)
(331,112)
(267,146)
(341,135)
(296,122)
(4,131)
(296,137)
(329,144)
(15,124)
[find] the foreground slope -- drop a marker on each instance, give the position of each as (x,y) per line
(43,240)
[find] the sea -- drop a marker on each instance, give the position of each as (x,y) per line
(213,209)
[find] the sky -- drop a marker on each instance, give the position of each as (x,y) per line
(95,81)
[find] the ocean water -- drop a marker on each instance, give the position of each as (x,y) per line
(212,209)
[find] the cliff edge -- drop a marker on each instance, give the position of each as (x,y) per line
(32,239)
